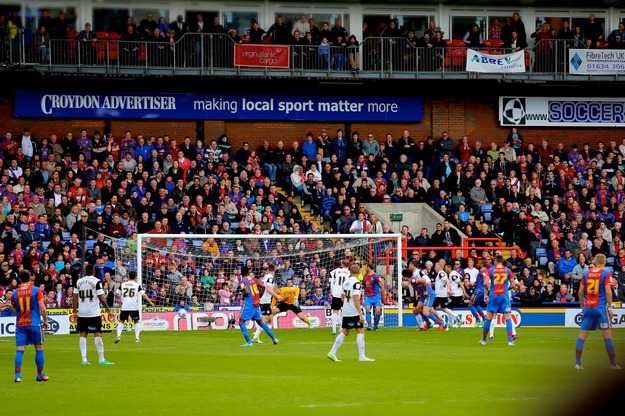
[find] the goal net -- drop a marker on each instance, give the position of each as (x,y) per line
(204,270)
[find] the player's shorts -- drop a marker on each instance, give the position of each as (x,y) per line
(337,304)
(89,325)
(498,304)
(249,313)
(440,302)
(283,307)
(455,302)
(427,300)
(373,301)
(28,335)
(124,315)
(478,298)
(595,318)
(265,309)
(351,322)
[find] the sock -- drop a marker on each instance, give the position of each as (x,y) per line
(120,328)
(425,318)
(513,330)
(609,347)
(19,358)
(480,312)
(486,328)
(579,348)
(334,321)
(451,314)
(476,315)
(368,317)
(259,329)
(83,348)
(99,347)
(266,328)
(435,319)
(138,326)
(337,342)
(39,361)
(360,341)
(376,320)
(246,335)
(419,319)
(493,325)
(509,329)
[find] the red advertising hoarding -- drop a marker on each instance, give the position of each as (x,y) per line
(262,56)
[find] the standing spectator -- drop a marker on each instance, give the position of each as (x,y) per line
(543,48)
(257,34)
(279,32)
(593,29)
(519,27)
(494,32)
(88,53)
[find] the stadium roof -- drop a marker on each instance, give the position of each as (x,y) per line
(490,4)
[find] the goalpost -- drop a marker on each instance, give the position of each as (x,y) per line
(210,261)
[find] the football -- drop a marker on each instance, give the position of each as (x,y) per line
(182,313)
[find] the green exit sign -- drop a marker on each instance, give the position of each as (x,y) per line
(397,217)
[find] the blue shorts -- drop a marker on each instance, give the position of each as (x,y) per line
(595,318)
(427,300)
(478,298)
(499,304)
(28,335)
(249,313)
(373,300)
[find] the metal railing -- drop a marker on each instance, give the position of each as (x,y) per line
(212,54)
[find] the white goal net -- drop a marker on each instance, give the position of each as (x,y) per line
(204,270)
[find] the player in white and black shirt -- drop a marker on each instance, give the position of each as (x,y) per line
(131,293)
(268,282)
(88,296)
(353,317)
(338,276)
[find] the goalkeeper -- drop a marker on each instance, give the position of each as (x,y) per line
(289,302)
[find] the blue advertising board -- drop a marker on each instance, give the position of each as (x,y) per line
(96,105)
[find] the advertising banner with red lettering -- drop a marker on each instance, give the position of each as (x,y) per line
(262,56)
(224,319)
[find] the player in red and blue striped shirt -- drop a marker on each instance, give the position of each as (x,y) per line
(595,296)
(498,301)
(32,320)
(251,307)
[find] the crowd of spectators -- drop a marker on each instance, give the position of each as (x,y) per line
(57,192)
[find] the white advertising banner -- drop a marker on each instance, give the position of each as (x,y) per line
(57,325)
(596,61)
(481,62)
(562,111)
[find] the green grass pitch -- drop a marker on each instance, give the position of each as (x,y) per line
(208,372)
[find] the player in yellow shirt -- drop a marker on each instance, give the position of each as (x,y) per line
(289,303)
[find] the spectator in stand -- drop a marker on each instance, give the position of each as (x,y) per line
(494,32)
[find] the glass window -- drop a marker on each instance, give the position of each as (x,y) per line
(238,20)
(416,23)
(33,14)
(460,25)
(110,20)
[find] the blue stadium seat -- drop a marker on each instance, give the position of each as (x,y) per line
(197,243)
(90,244)
(610,261)
(487,216)
(44,245)
(541,256)
(66,236)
